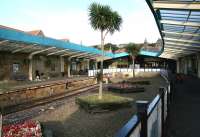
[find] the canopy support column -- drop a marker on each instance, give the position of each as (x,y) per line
(30,68)
(69,67)
(185,66)
(178,66)
(88,64)
(96,65)
(198,66)
(61,64)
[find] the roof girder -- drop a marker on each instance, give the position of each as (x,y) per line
(56,52)
(183,48)
(180,23)
(176,5)
(181,40)
(181,34)
(24,48)
(182,44)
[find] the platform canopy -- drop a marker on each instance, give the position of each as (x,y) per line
(17,41)
(179,25)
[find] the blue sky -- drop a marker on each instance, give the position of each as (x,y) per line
(69,19)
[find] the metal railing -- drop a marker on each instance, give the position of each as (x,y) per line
(0,125)
(151,117)
(92,73)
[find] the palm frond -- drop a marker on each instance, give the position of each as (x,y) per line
(103,18)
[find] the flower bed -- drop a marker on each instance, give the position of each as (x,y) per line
(125,88)
(24,129)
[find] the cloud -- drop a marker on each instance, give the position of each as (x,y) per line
(74,24)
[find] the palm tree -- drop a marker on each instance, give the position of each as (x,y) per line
(105,20)
(133,50)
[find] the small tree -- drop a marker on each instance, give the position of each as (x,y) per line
(134,50)
(105,20)
(111,46)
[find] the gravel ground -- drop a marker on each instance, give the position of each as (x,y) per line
(70,121)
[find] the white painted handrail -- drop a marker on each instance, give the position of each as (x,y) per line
(92,73)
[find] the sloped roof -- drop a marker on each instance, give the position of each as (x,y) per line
(6,27)
(36,32)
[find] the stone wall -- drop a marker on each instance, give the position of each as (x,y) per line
(36,92)
(6,65)
(50,66)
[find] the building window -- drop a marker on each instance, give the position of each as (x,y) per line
(15,67)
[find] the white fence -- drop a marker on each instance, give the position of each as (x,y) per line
(92,73)
(154,121)
(153,117)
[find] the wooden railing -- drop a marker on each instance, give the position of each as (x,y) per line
(150,119)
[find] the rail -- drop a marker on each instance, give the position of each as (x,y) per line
(150,119)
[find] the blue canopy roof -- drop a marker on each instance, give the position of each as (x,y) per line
(46,42)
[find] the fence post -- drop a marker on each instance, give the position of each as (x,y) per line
(162,96)
(142,107)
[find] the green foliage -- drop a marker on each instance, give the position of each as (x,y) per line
(110,45)
(133,49)
(122,62)
(108,102)
(103,18)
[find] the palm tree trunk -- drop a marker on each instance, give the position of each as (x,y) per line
(101,71)
(133,59)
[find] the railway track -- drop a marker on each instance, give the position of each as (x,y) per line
(28,110)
